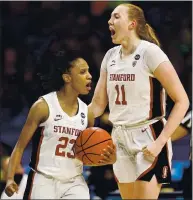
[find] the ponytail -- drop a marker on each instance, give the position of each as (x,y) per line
(147,33)
(151,36)
(143,30)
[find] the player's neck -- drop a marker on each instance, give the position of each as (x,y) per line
(129,45)
(67,96)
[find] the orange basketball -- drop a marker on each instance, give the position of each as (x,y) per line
(89,145)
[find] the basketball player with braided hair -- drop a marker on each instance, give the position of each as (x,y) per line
(54,122)
(133,78)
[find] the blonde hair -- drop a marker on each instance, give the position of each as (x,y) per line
(143,29)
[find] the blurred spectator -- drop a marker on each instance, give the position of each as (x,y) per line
(10,58)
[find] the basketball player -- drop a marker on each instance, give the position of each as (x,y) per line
(132,80)
(54,122)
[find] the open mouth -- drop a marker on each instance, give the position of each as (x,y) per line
(88,86)
(112,31)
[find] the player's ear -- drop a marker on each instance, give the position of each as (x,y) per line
(132,25)
(66,78)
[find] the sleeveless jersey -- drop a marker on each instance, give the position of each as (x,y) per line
(135,96)
(53,141)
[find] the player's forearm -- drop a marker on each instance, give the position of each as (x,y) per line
(14,161)
(96,108)
(175,118)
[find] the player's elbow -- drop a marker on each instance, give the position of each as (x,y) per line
(183,101)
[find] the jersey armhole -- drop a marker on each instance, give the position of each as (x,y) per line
(48,119)
(145,70)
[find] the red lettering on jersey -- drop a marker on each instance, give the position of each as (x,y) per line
(132,77)
(69,131)
(111,77)
(128,77)
(66,130)
(77,132)
(60,129)
(55,129)
(73,130)
(122,77)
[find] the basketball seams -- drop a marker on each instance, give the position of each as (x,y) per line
(87,138)
(87,157)
(83,150)
(92,146)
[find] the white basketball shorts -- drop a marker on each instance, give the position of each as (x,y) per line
(41,187)
(131,165)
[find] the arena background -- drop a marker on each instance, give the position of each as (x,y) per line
(26,25)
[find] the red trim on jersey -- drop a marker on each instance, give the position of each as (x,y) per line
(155,161)
(29,196)
(167,149)
(161,101)
(151,98)
(153,132)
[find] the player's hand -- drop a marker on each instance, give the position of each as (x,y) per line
(108,155)
(11,187)
(152,150)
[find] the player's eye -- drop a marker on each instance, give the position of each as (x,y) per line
(83,71)
(116,16)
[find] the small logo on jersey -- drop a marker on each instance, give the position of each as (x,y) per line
(143,130)
(82,115)
(82,121)
(137,57)
(165,172)
(134,63)
(58,117)
(112,62)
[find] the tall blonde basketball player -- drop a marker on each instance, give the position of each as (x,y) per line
(132,80)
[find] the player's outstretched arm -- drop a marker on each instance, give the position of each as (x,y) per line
(100,99)
(37,114)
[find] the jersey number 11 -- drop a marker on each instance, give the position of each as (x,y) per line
(118,102)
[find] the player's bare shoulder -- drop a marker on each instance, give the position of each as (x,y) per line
(39,110)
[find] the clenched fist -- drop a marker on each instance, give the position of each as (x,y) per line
(11,188)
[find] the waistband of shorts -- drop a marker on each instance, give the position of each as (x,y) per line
(52,177)
(139,125)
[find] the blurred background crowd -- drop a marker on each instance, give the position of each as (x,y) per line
(82,26)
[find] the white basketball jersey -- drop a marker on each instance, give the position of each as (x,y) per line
(134,95)
(52,152)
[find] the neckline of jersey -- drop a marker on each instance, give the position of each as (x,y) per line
(128,56)
(60,108)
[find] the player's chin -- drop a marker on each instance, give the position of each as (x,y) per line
(85,92)
(114,41)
